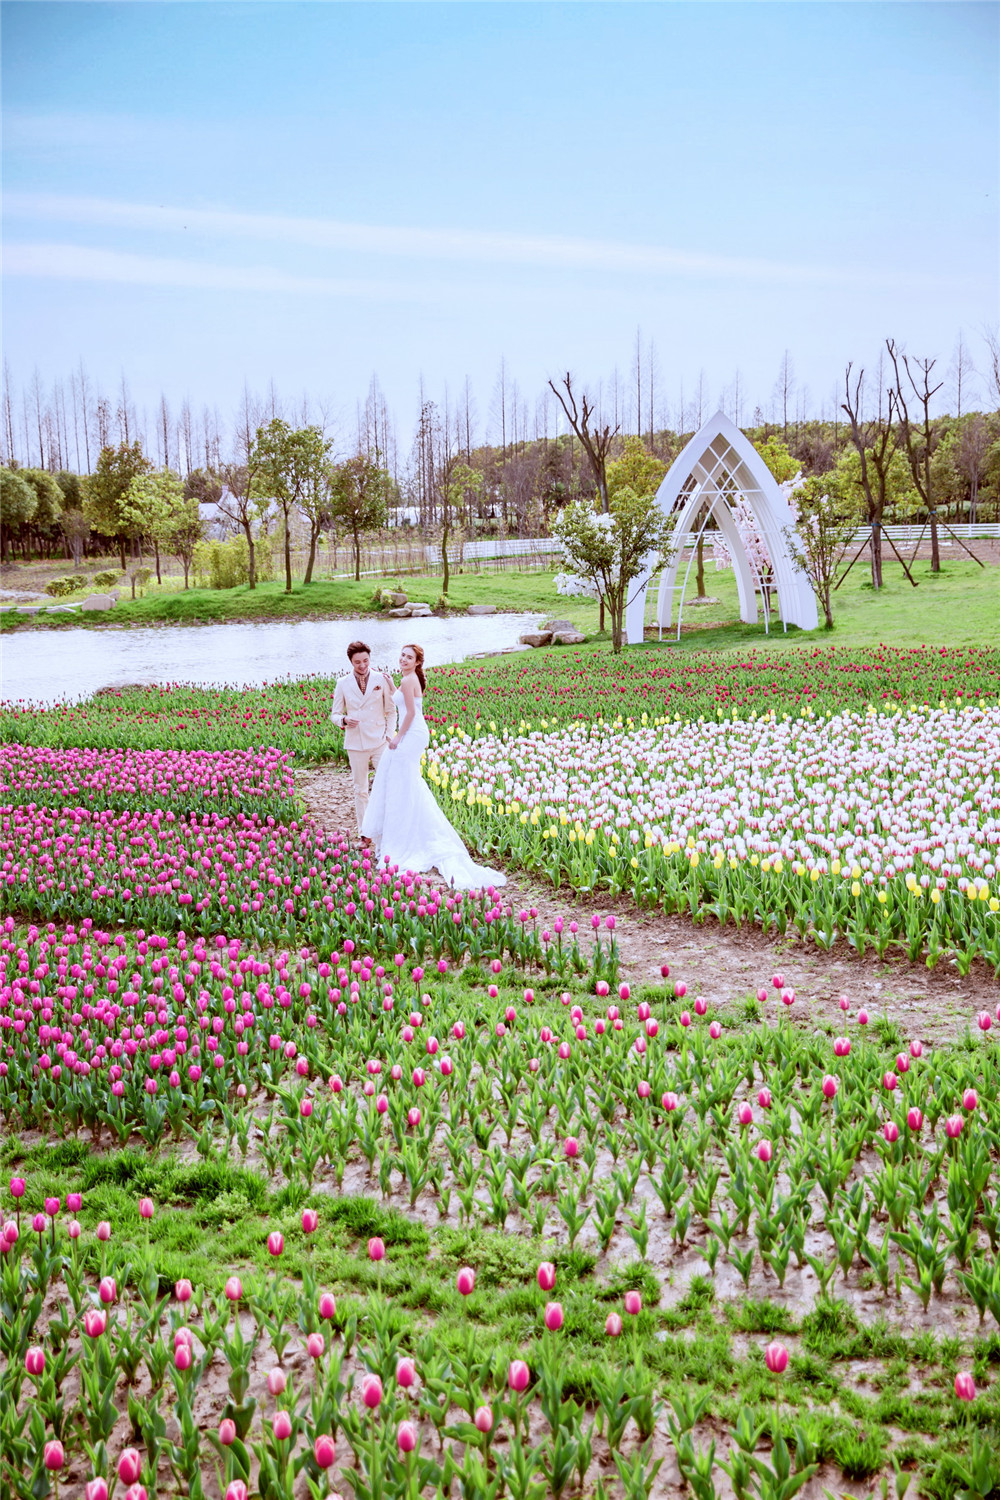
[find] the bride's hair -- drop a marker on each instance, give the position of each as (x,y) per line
(418,652)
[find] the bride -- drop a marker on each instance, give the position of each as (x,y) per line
(402,817)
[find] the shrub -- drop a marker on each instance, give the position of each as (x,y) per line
(226,565)
(58,588)
(107,579)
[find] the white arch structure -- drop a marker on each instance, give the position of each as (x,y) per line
(718,464)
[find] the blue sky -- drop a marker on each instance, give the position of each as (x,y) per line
(203,195)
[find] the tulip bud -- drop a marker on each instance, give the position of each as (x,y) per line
(94,1323)
(745,1114)
(371,1392)
(183,1290)
(275,1242)
(324,1451)
(406,1437)
(327,1305)
(227,1432)
(518,1376)
(970,1099)
(282,1426)
(74,1202)
(34,1361)
(633,1304)
(764,1151)
(310,1219)
(104,1231)
(829,1086)
(376,1249)
(553,1316)
(129,1466)
(953,1127)
(546,1276)
(145,1208)
(234,1289)
(276,1380)
(466,1280)
(53,1456)
(483,1419)
(107,1291)
(613,1325)
(776,1358)
(182,1357)
(891,1131)
(965,1386)
(315,1345)
(914,1118)
(571,1146)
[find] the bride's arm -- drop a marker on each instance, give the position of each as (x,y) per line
(409,706)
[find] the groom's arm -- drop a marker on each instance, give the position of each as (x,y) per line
(338,713)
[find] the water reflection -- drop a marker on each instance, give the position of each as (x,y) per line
(43,666)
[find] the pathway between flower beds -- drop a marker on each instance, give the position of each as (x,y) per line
(729,964)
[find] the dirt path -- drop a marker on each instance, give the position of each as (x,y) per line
(727,964)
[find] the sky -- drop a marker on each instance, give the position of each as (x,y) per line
(205,196)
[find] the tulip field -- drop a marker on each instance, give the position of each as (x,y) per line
(321,1179)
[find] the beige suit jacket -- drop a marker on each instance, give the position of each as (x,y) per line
(374,710)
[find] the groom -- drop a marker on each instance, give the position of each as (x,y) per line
(364,710)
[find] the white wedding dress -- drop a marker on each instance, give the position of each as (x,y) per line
(404,821)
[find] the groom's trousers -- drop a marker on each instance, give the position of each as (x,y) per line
(363,762)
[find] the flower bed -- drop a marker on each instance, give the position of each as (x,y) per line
(881,828)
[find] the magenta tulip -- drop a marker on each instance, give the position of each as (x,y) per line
(376,1249)
(96,1489)
(518,1376)
(633,1303)
(227,1432)
(236,1490)
(129,1466)
(310,1220)
(34,1361)
(764,1151)
(371,1392)
(275,1242)
(546,1275)
(466,1280)
(776,1358)
(406,1437)
(183,1290)
(53,1456)
(94,1323)
(282,1426)
(965,1386)
(324,1451)
(108,1290)
(327,1305)
(553,1316)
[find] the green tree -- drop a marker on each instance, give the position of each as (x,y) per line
(107,488)
(611,550)
(289,463)
(825,526)
(49,497)
(461,486)
(158,506)
(359,499)
(18,503)
(636,469)
(782,464)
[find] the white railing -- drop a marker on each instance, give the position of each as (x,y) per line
(963,530)
(497,547)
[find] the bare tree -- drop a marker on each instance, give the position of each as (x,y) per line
(962,372)
(992,339)
(920,434)
(596,441)
(970,457)
(783,389)
(876,441)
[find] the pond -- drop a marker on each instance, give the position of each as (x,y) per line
(42,666)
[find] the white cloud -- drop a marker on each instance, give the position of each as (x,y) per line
(469,246)
(84,263)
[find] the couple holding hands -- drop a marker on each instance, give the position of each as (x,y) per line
(385,730)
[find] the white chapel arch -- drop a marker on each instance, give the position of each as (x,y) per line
(717,464)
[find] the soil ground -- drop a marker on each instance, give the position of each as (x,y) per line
(727,964)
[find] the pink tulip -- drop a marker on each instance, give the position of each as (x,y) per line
(953,1127)
(483,1419)
(182,1357)
(891,1131)
(778,980)
(11,1233)
(680,990)
(553,1316)
(413,1117)
(275,1242)
(234,1289)
(310,1219)
(39,1223)
(889,1081)
(571,1146)
(902,1063)
(371,1392)
(376,1249)
(685,1018)
(984,1020)
(237,1490)
(715,1030)
(406,1373)
(862,1018)
(914,1118)
(183,1290)
(138,1492)
(282,1426)
(965,1386)
(108,1291)
(276,1381)
(324,1451)
(73,1229)
(764,1151)
(227,1432)
(829,1086)
(52,1207)
(466,1280)
(669,1101)
(406,1437)
(34,1361)
(764,1098)
(94,1323)
(841,1047)
(518,1376)
(762,995)
(745,1114)
(613,1325)
(96,1489)
(546,1275)
(129,1466)
(916,1049)
(633,1304)
(970,1099)
(145,1208)
(327,1305)
(53,1456)
(17,1187)
(700,1005)
(104,1231)
(776,1358)
(315,1345)
(74,1202)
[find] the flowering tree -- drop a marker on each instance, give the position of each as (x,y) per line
(825,524)
(608,551)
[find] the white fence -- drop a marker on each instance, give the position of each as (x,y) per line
(488,547)
(908,536)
